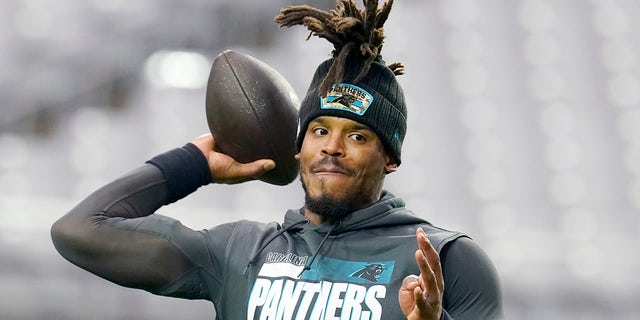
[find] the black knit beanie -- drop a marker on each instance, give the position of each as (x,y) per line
(376,101)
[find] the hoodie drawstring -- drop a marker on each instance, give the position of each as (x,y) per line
(279,233)
(307,265)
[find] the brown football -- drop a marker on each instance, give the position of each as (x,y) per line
(252,112)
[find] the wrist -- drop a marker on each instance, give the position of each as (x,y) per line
(185,169)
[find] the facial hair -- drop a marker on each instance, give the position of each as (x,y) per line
(332,208)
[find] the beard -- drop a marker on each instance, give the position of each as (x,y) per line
(333,206)
(330,207)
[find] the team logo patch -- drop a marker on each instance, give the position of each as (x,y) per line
(370,272)
(347,97)
(350,271)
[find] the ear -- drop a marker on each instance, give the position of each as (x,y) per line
(390,166)
(297,156)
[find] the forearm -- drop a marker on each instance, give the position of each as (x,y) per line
(139,193)
(164,179)
(110,233)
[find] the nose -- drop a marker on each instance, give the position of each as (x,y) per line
(334,146)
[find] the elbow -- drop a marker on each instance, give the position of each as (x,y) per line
(60,235)
(66,237)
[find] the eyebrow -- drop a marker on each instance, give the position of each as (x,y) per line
(354,125)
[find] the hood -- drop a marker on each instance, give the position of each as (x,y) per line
(388,211)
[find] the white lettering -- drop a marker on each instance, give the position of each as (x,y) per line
(310,290)
(271,304)
(277,257)
(335,300)
(258,296)
(319,308)
(371,301)
(353,299)
(349,90)
(287,299)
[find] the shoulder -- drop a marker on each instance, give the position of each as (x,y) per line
(464,254)
(243,228)
(472,285)
(213,246)
(440,237)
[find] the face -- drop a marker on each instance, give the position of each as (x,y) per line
(342,166)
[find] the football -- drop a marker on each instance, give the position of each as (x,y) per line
(252,113)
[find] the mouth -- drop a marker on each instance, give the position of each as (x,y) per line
(329,170)
(330,167)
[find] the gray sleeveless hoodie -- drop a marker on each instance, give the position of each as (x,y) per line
(349,270)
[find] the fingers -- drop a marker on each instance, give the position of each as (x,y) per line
(420,296)
(429,262)
(428,295)
(237,172)
(254,169)
(410,282)
(406,294)
(225,169)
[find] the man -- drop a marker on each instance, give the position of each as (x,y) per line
(352,252)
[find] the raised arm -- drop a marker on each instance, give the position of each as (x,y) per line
(114,234)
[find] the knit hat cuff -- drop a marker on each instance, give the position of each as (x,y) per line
(385,119)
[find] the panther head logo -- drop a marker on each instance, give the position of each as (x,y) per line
(370,272)
(345,100)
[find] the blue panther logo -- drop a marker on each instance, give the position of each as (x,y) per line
(370,272)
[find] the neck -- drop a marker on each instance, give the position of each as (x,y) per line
(314,217)
(319,219)
(323,208)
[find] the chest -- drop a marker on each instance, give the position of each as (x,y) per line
(347,277)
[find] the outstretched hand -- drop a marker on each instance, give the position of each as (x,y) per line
(420,296)
(225,169)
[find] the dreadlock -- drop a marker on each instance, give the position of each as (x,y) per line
(349,29)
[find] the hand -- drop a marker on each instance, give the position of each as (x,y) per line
(225,169)
(420,296)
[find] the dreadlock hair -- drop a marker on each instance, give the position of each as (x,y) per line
(349,29)
(354,83)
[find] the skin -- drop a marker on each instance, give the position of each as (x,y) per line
(342,159)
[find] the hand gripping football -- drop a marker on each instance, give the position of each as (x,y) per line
(252,112)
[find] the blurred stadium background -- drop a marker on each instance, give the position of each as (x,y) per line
(524,132)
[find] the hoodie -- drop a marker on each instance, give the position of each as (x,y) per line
(297,270)
(253,270)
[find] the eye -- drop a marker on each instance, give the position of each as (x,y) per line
(320,131)
(358,137)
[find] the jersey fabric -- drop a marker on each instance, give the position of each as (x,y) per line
(352,269)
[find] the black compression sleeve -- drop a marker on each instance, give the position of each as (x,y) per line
(185,170)
(472,288)
(113,233)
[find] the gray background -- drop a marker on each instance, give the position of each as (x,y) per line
(524,132)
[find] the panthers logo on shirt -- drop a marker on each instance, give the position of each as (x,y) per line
(330,289)
(370,272)
(344,96)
